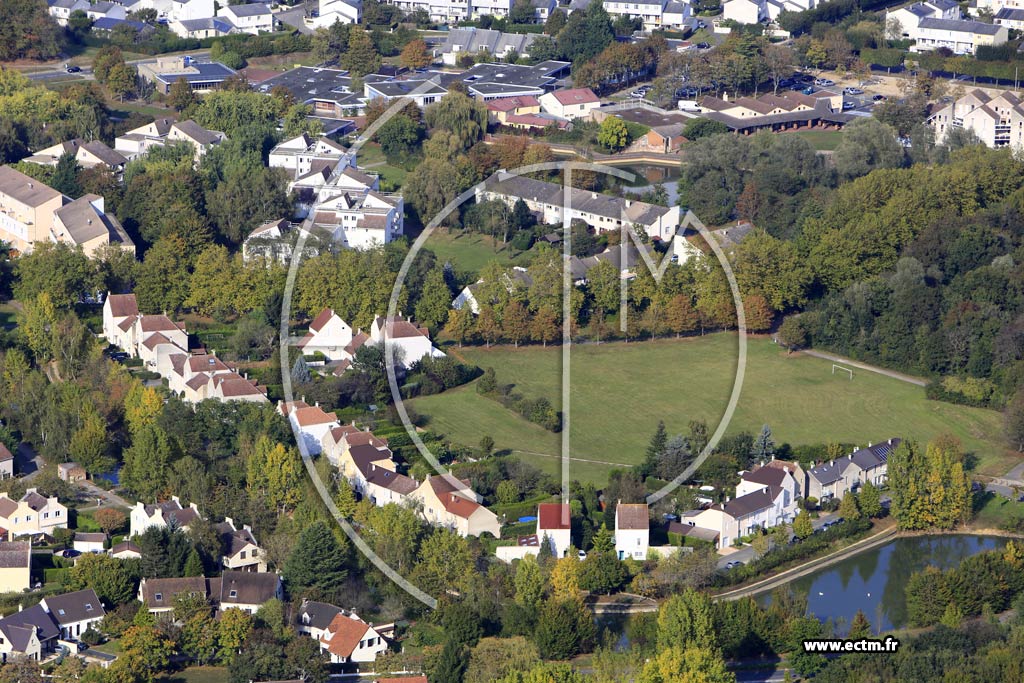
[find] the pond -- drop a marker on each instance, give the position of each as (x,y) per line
(875,581)
(647,176)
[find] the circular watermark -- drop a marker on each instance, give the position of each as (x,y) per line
(566,212)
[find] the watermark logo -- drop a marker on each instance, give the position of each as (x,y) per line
(568,209)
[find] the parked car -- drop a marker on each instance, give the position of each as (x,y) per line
(879,98)
(809,90)
(853,91)
(824,82)
(703,46)
(849,104)
(73,69)
(732,565)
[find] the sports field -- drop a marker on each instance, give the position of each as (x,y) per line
(619,392)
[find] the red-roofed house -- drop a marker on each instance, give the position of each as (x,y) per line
(312,423)
(410,340)
(455,507)
(349,639)
(574,103)
(498,109)
(555,522)
(328,334)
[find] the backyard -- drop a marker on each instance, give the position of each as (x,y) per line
(679,380)
(469,251)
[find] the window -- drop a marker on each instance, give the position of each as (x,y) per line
(158,597)
(57,513)
(233,594)
(88,607)
(46,515)
(60,612)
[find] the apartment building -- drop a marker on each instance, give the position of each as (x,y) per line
(937,24)
(997,121)
(32,212)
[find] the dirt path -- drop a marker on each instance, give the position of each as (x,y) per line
(864,366)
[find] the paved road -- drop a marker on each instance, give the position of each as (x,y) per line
(864,366)
(761,676)
(109,498)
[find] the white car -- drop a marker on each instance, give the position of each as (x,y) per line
(823,82)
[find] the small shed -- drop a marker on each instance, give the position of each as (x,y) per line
(71,472)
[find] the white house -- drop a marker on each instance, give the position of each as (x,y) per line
(344,11)
(411,342)
(554,522)
(311,422)
(241,551)
(162,131)
(185,10)
(75,613)
(61,10)
(349,639)
(89,542)
(300,154)
(745,11)
(88,154)
(161,515)
(936,24)
(632,531)
(575,103)
(744,515)
(247,591)
(328,334)
(600,211)
(254,18)
(314,618)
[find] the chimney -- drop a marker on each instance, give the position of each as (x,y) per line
(303,399)
(725,96)
(869,444)
(831,463)
(890,442)
(20,607)
(593,195)
(230,521)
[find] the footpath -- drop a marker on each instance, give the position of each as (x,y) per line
(785,577)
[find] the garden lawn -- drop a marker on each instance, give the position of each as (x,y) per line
(821,140)
(469,251)
(620,391)
(196,674)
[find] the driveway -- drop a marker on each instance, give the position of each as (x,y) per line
(27,462)
(294,16)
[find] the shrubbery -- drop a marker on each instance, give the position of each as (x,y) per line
(800,550)
(538,411)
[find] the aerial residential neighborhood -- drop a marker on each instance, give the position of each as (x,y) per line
(510,341)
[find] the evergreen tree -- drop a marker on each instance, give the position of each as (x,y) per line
(565,628)
(318,563)
(361,57)
(686,620)
(65,176)
(300,371)
(764,445)
(194,564)
(860,627)
(450,666)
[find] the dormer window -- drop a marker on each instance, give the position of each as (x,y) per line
(159,597)
(233,594)
(88,607)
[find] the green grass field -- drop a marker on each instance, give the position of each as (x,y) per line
(821,140)
(196,674)
(620,391)
(469,252)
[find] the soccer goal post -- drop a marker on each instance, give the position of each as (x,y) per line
(842,369)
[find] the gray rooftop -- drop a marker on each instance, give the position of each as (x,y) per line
(200,72)
(960,26)
(249,10)
(472,39)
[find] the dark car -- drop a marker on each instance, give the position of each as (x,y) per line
(74,69)
(879,98)
(703,46)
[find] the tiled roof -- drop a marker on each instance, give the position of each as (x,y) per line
(345,634)
(14,554)
(123,305)
(25,189)
(73,607)
(553,516)
(631,516)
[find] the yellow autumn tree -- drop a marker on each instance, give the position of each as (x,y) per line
(142,406)
(275,471)
(565,577)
